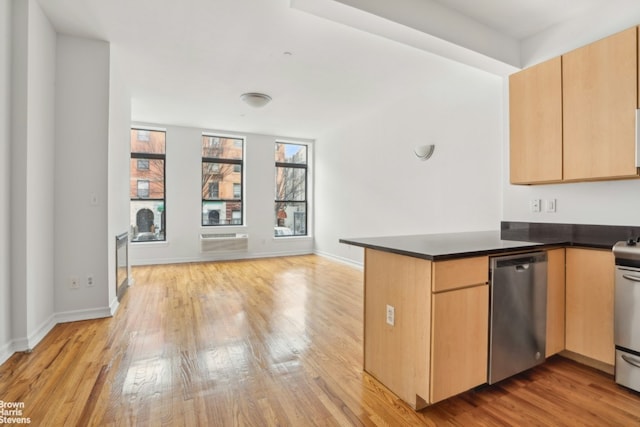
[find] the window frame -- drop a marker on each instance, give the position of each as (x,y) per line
(304,166)
(238,142)
(149,157)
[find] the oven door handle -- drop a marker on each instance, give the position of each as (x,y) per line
(632,278)
(630,361)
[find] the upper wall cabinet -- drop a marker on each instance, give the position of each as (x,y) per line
(535,109)
(600,90)
(572,118)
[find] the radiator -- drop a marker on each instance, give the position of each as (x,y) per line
(223,242)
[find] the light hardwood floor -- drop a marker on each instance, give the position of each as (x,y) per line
(261,343)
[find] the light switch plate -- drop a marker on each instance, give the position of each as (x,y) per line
(551,205)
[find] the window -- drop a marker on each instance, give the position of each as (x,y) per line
(142,135)
(291,190)
(214,190)
(143,188)
(222,164)
(147,185)
(143,164)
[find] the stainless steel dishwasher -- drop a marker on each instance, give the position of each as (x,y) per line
(518,314)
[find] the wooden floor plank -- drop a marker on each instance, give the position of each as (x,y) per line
(271,342)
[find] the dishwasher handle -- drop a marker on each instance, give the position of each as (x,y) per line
(521,262)
(632,278)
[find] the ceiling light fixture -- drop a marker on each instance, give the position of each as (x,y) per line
(255,99)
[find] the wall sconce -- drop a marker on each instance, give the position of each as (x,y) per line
(424,152)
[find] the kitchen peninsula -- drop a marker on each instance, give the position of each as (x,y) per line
(426,305)
(426,311)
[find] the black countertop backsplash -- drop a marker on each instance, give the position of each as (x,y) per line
(591,236)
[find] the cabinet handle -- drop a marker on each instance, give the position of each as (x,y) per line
(630,361)
(632,278)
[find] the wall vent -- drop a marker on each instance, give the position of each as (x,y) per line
(223,242)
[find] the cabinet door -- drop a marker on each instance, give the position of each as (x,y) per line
(535,123)
(599,85)
(459,346)
(397,354)
(589,306)
(555,301)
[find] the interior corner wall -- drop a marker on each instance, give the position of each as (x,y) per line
(32,171)
(81,177)
(5,167)
(118,166)
(370,183)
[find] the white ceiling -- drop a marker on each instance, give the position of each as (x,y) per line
(521,18)
(187,62)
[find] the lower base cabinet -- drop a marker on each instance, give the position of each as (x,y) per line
(459,341)
(555,301)
(426,325)
(589,303)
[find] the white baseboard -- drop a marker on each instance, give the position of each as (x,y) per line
(6,351)
(77,315)
(221,257)
(113,307)
(29,343)
(342,260)
(40,332)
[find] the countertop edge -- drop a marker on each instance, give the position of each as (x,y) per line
(458,255)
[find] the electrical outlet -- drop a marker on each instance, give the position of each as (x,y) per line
(535,205)
(89,281)
(391,315)
(74,283)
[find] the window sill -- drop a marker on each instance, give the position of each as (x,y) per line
(289,238)
(150,243)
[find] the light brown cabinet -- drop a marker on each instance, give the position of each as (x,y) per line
(589,303)
(599,91)
(555,301)
(459,340)
(572,118)
(535,111)
(437,344)
(398,355)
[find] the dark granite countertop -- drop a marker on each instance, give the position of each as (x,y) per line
(437,247)
(512,237)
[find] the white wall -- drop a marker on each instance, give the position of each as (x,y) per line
(371,184)
(608,19)
(81,157)
(118,165)
(183,202)
(607,203)
(5,163)
(32,237)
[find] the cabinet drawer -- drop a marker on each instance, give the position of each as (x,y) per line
(459,273)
